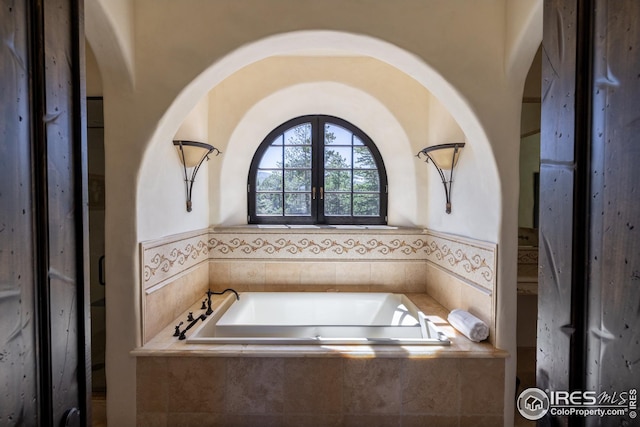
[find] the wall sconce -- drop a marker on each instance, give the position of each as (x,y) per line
(444,157)
(192,154)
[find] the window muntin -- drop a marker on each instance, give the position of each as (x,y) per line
(351,179)
(317,170)
(283,182)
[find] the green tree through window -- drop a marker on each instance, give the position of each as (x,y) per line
(317,170)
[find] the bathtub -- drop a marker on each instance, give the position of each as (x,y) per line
(318,318)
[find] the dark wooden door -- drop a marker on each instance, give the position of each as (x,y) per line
(589,283)
(44,359)
(612,343)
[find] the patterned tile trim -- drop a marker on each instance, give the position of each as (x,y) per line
(471,260)
(163,259)
(311,246)
(527,255)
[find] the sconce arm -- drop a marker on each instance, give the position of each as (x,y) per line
(207,149)
(447,183)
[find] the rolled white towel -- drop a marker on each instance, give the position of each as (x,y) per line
(468,324)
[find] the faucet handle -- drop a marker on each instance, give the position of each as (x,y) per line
(177,332)
(209,310)
(190,316)
(204,304)
(181,335)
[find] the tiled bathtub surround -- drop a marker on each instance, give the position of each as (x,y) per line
(162,305)
(175,273)
(452,292)
(459,272)
(471,260)
(300,391)
(185,384)
(163,259)
(320,276)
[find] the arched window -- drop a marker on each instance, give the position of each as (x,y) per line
(317,170)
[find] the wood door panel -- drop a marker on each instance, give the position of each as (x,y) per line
(557,179)
(614,292)
(62,211)
(43,303)
(18,362)
(558,90)
(589,303)
(554,295)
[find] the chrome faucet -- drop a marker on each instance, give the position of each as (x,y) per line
(210,292)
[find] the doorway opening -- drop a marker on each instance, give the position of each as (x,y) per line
(96,200)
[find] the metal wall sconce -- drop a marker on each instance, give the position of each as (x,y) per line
(444,157)
(192,154)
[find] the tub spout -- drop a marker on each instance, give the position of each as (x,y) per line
(210,292)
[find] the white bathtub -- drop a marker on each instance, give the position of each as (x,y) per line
(318,318)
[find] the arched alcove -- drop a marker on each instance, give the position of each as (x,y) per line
(328,98)
(311,43)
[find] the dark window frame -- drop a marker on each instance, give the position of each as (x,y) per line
(317,216)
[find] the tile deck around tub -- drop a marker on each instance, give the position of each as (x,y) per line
(165,344)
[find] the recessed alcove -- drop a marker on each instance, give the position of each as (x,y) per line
(436,271)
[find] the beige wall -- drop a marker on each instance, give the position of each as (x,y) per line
(391,107)
(397,112)
(93,77)
(158,58)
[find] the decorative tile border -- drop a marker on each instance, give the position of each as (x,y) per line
(310,246)
(471,260)
(527,255)
(165,258)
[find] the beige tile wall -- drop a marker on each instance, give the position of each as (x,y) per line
(164,259)
(165,303)
(176,270)
(453,292)
(299,391)
(371,257)
(301,276)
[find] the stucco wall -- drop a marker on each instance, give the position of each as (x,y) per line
(397,112)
